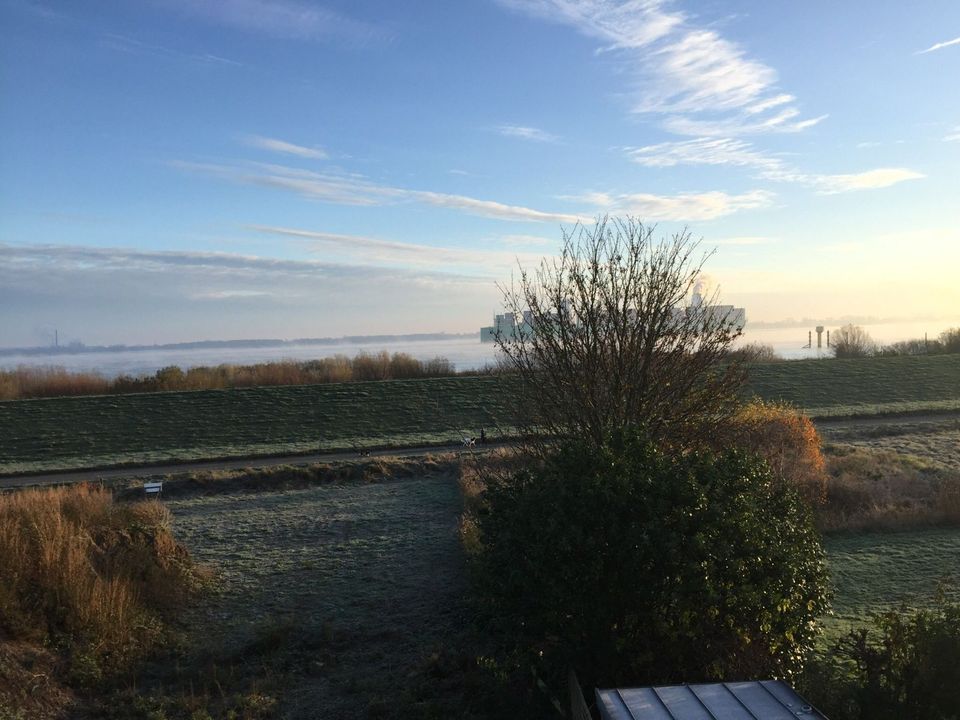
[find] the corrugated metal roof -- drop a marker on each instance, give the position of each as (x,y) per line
(752,700)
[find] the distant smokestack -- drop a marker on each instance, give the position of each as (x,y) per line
(697,300)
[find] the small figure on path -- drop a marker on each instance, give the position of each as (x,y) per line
(483,437)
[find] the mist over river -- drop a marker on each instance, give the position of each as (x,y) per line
(464,352)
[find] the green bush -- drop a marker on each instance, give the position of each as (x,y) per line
(633,566)
(906,666)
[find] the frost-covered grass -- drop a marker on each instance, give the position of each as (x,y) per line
(107,430)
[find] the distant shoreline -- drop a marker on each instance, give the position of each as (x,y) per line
(77,348)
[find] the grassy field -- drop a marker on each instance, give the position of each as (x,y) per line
(100,431)
(861,386)
(936,441)
(347,599)
(872,572)
(105,430)
(340,600)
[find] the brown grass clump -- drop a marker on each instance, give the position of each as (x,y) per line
(88,574)
(28,684)
(475,473)
(885,490)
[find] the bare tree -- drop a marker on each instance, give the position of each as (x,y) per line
(852,341)
(950,340)
(607,340)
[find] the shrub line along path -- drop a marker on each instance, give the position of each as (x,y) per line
(151,471)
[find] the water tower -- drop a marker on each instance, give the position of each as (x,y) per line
(819,336)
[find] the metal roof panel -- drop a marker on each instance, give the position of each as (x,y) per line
(752,700)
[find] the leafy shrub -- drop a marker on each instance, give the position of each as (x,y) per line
(906,666)
(634,566)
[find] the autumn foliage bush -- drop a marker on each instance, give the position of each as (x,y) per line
(786,439)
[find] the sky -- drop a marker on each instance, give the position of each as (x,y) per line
(175,170)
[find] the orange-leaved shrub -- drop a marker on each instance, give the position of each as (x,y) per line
(786,439)
(82,571)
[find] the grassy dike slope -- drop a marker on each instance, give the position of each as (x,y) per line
(104,430)
(861,385)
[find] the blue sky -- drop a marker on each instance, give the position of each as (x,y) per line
(184,169)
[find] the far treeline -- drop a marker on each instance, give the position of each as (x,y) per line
(852,341)
(27,382)
(52,381)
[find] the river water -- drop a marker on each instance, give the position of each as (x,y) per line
(464,353)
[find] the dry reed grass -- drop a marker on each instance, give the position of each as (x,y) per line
(875,489)
(83,572)
(38,382)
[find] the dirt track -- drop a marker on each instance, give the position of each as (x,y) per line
(152,471)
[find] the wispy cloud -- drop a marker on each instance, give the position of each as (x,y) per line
(868,180)
(123,43)
(282,146)
(468,261)
(953,135)
(939,46)
(355,190)
(129,295)
(527,133)
(739,153)
(489,208)
(688,73)
(746,124)
(683,206)
(231,294)
(285,19)
(701,151)
(221,271)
